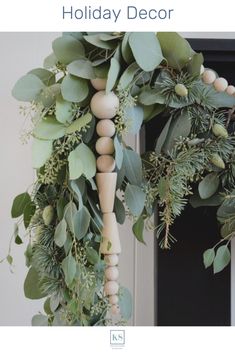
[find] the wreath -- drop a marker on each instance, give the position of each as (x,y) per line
(93,90)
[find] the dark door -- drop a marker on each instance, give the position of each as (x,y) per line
(186,293)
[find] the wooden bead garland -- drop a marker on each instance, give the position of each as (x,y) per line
(104,107)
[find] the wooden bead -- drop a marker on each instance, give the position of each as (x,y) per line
(99,83)
(104,106)
(105,163)
(104,145)
(230,90)
(111,288)
(208,77)
(106,185)
(111,260)
(112,273)
(110,243)
(113,299)
(220,84)
(105,127)
(115,309)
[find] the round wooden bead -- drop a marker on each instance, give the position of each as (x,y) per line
(111,273)
(104,106)
(230,90)
(111,260)
(113,299)
(105,127)
(104,145)
(99,83)
(105,163)
(111,288)
(220,84)
(208,77)
(115,309)
(202,69)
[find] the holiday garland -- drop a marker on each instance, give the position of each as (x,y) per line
(94,88)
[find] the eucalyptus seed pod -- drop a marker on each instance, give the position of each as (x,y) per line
(217,161)
(219,131)
(181,90)
(48,215)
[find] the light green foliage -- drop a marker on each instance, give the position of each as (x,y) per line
(82,161)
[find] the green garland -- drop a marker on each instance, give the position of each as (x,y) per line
(193,162)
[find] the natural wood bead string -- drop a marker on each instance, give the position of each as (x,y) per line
(220,84)
(104,107)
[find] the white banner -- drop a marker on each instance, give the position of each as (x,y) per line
(116,15)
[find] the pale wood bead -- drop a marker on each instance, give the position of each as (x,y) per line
(115,309)
(105,163)
(106,185)
(111,288)
(111,273)
(99,83)
(110,243)
(208,77)
(113,299)
(230,90)
(104,145)
(105,127)
(220,84)
(104,106)
(111,260)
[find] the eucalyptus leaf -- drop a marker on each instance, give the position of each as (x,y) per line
(128,75)
(69,212)
(135,199)
(118,152)
(60,206)
(146,50)
(46,76)
(208,257)
(39,320)
(194,65)
(81,222)
(209,185)
(95,40)
(176,49)
(19,204)
(29,211)
(79,123)
(112,74)
(74,89)
(82,161)
(126,49)
(222,258)
(133,166)
(67,49)
(138,229)
(50,61)
(119,210)
(82,68)
(27,88)
(92,255)
(61,233)
(49,129)
(41,152)
(69,268)
(48,95)
(196,201)
(31,285)
(63,110)
(134,117)
(162,137)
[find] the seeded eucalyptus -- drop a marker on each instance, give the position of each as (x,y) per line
(124,79)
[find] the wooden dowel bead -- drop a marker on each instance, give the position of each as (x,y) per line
(104,145)
(105,127)
(106,185)
(110,243)
(220,84)
(99,83)
(113,299)
(105,163)
(111,273)
(104,106)
(111,260)
(115,309)
(208,77)
(111,288)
